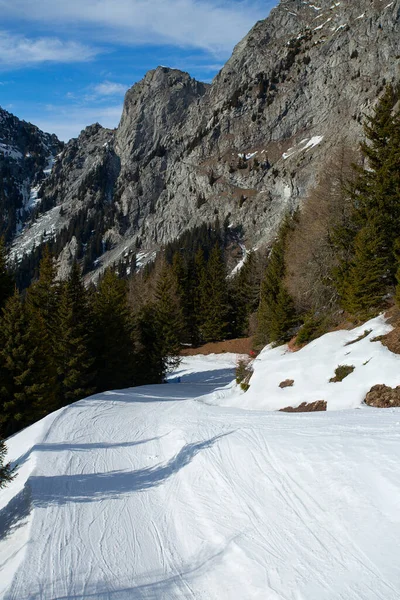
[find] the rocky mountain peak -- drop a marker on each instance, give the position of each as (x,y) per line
(246,148)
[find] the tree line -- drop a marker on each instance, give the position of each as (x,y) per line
(61,341)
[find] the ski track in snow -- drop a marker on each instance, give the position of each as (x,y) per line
(154,493)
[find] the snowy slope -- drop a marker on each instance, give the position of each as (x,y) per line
(312,368)
(153,493)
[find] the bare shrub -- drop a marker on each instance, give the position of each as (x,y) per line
(310,254)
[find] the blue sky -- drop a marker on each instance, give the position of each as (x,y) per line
(65,64)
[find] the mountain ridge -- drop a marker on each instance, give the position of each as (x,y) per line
(246,148)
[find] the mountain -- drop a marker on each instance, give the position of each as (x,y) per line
(245,148)
(26,158)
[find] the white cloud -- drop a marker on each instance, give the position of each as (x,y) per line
(211,25)
(17,51)
(110,88)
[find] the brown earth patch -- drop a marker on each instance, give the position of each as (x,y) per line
(287,383)
(318,406)
(238,346)
(383,396)
(392,340)
(293,346)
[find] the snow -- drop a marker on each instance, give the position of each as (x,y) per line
(304,145)
(158,493)
(312,367)
(241,263)
(10,152)
(247,156)
(31,236)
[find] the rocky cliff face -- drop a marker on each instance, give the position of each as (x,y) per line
(26,157)
(245,148)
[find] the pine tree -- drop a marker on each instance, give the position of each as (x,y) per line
(245,293)
(168,317)
(6,282)
(214,302)
(184,288)
(276,313)
(365,283)
(149,361)
(113,340)
(72,347)
(375,206)
(42,310)
(198,275)
(7,473)
(26,391)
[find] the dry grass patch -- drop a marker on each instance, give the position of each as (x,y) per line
(341,372)
(238,346)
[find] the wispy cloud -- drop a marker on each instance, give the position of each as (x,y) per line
(110,88)
(17,51)
(207,24)
(68,121)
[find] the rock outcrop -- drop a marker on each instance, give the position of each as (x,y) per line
(383,396)
(26,158)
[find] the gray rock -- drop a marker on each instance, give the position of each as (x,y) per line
(249,146)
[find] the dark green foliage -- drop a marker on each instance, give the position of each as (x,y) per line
(214,302)
(276,314)
(42,309)
(149,362)
(367,243)
(168,316)
(365,283)
(312,328)
(72,345)
(7,473)
(25,389)
(341,372)
(113,341)
(244,294)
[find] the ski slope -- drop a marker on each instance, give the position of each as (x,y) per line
(157,493)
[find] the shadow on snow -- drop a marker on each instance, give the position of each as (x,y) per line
(93,487)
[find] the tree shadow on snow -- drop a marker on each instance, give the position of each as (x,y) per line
(13,515)
(93,487)
(71,447)
(217,377)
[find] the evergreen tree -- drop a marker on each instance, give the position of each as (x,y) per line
(42,311)
(113,342)
(149,361)
(6,282)
(214,302)
(6,471)
(168,318)
(245,294)
(276,313)
(197,279)
(72,347)
(374,206)
(183,275)
(26,390)
(366,276)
